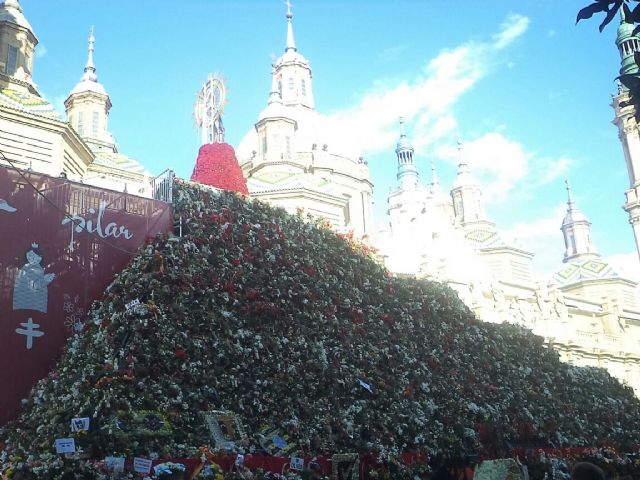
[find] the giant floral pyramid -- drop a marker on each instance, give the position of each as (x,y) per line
(297,330)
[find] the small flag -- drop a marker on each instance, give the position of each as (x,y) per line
(366,386)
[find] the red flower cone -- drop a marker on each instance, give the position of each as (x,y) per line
(217,166)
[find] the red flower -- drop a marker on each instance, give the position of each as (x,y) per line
(388,319)
(252,295)
(309,271)
(180,353)
(218,167)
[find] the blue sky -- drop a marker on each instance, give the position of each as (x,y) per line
(527,90)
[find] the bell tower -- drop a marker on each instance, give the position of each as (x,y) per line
(17,46)
(88,106)
(628,129)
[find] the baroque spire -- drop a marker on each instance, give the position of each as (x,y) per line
(628,44)
(463,166)
(291,44)
(13,4)
(576,230)
(407,174)
(570,202)
(90,68)
(435,181)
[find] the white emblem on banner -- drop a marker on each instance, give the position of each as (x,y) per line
(30,331)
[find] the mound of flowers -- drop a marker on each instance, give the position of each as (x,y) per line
(217,166)
(279,321)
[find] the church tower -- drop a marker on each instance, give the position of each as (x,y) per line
(466,193)
(290,159)
(17,46)
(88,106)
(628,129)
(576,230)
(292,73)
(407,174)
(276,130)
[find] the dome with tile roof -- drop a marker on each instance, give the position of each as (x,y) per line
(27,102)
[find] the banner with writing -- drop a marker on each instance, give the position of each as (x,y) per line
(60,248)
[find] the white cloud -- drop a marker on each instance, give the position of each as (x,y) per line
(541,235)
(513,27)
(370,126)
(502,164)
(552,169)
(626,264)
(392,53)
(41,51)
(58,103)
(504,161)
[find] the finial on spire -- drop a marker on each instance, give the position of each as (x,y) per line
(435,182)
(462,164)
(291,44)
(570,202)
(12,4)
(402,133)
(90,68)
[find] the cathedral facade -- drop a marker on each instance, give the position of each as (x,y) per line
(586,310)
(288,157)
(33,136)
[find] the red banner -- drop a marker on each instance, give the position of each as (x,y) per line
(59,249)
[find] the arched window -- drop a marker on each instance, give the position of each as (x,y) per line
(80,128)
(94,124)
(303,88)
(291,84)
(12,60)
(280,87)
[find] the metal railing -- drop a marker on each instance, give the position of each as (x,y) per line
(162,186)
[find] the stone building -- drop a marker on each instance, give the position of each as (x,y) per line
(586,310)
(288,157)
(625,119)
(33,136)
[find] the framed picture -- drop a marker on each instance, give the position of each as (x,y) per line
(501,469)
(346,466)
(142,423)
(276,441)
(224,426)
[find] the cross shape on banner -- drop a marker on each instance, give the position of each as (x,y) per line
(31,331)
